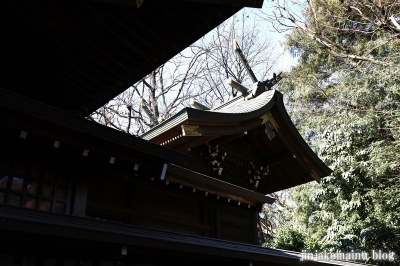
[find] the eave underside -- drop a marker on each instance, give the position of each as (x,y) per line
(78,55)
(65,228)
(286,168)
(243,137)
(218,187)
(20,113)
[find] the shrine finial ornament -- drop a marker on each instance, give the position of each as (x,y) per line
(258,87)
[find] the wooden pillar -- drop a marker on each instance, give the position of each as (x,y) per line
(80,199)
(216,223)
(132,198)
(256,229)
(206,218)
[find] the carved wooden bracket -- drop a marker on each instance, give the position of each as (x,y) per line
(189,131)
(267,117)
(255,174)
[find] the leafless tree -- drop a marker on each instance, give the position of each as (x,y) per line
(199,72)
(222,62)
(353,30)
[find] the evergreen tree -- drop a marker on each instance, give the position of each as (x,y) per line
(344,97)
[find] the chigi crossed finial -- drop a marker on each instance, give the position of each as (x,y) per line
(258,87)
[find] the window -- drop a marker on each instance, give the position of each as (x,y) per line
(34,187)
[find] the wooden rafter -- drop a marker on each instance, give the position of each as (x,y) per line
(242,3)
(96,47)
(193,179)
(131,3)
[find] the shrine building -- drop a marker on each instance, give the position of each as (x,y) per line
(187,192)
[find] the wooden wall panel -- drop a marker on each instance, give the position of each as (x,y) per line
(164,210)
(170,226)
(107,190)
(236,225)
(168,204)
(116,193)
(155,205)
(107,199)
(139,203)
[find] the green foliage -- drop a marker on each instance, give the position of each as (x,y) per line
(289,239)
(349,113)
(294,238)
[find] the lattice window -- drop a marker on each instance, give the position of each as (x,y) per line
(34,187)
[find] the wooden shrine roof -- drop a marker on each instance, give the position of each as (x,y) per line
(77,55)
(223,117)
(26,221)
(45,124)
(238,130)
(35,118)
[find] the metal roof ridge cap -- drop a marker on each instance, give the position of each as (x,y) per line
(236,99)
(250,101)
(231,101)
(272,101)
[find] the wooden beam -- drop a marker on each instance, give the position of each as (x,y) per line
(194,143)
(283,157)
(242,3)
(143,43)
(241,154)
(65,48)
(53,123)
(226,139)
(130,3)
(21,221)
(210,190)
(146,55)
(153,216)
(210,129)
(206,183)
(277,159)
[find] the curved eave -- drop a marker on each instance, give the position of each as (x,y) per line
(295,142)
(167,125)
(239,116)
(228,121)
